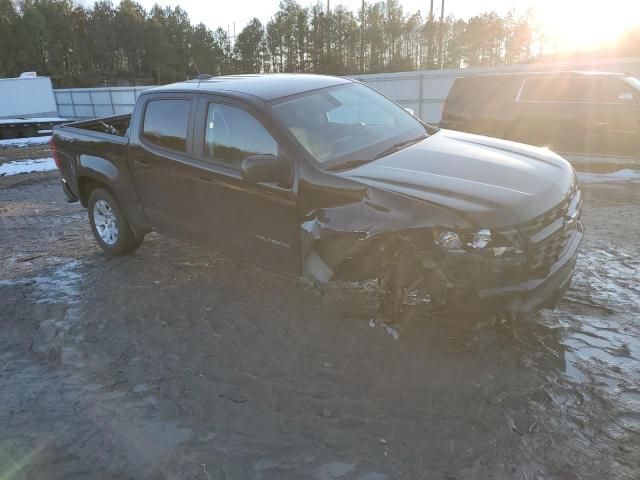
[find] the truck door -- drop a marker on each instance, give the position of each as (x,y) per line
(256,222)
(548,113)
(617,112)
(160,162)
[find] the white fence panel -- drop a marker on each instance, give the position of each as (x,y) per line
(423,91)
(80,103)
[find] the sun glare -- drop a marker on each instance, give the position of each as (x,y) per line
(585,25)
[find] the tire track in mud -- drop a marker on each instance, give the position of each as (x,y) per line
(43,221)
(564,406)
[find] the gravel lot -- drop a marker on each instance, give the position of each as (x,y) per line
(177,363)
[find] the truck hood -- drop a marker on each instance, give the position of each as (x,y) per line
(490,181)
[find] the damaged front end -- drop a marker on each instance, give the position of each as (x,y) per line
(435,259)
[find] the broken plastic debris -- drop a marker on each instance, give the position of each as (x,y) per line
(392,331)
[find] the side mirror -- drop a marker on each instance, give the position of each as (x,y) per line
(266,169)
(410,110)
(625,97)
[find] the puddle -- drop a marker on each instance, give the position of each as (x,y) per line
(55,296)
(61,285)
(624,175)
(333,470)
(607,279)
(630,421)
(140,387)
(151,440)
(573,372)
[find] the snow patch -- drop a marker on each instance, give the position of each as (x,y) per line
(27,166)
(24,142)
(31,120)
(624,175)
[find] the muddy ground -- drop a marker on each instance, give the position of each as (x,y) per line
(177,363)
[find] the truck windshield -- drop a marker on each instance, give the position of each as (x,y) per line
(347,125)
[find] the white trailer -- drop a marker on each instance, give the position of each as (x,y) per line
(27,106)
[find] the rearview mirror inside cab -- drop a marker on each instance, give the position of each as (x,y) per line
(266,169)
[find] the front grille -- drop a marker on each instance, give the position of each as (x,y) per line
(548,252)
(548,235)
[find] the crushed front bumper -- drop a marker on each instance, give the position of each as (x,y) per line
(526,297)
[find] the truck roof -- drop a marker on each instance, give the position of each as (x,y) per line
(266,87)
(551,73)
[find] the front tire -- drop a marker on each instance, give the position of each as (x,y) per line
(109,225)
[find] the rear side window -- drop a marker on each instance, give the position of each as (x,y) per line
(469,95)
(232,134)
(166,123)
(560,90)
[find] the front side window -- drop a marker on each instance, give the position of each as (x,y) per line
(346,123)
(166,123)
(232,134)
(612,91)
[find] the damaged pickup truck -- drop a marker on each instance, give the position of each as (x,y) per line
(325,178)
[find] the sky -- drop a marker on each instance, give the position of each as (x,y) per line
(569,24)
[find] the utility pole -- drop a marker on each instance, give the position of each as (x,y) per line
(328,20)
(362,34)
(440,36)
(430,36)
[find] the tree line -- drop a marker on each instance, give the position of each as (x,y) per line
(126,44)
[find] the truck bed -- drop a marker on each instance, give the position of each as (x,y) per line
(91,149)
(117,125)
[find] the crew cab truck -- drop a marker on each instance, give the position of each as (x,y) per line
(325,178)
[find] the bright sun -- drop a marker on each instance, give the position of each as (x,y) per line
(586,24)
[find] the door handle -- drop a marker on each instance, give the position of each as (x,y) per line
(142,163)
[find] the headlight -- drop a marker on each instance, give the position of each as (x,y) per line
(483,241)
(481,238)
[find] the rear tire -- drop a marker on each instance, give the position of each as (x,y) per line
(109,225)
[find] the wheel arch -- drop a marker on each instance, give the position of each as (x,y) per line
(87,184)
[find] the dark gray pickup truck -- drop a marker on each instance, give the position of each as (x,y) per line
(325,178)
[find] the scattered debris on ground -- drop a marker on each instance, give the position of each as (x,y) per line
(137,367)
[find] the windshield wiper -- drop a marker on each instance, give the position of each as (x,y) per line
(347,165)
(393,148)
(399,146)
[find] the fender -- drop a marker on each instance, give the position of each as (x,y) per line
(99,169)
(119,182)
(338,231)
